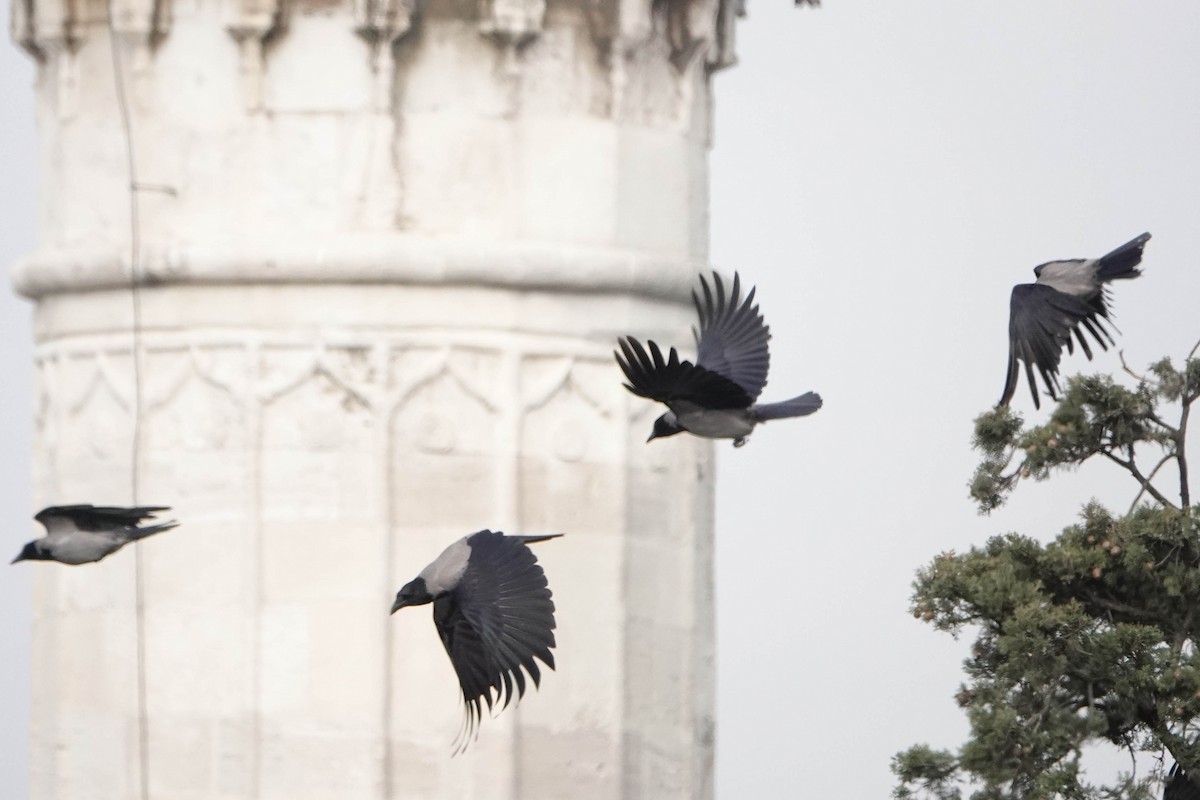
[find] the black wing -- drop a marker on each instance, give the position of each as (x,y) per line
(1122,263)
(496,621)
(1041,321)
(99,518)
(1180,786)
(670,380)
(732,340)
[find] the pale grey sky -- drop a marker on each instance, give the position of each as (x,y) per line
(884,171)
(18,218)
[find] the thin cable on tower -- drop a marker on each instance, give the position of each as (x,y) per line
(136,446)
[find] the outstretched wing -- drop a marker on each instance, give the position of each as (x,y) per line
(470,659)
(94,518)
(1087,279)
(732,339)
(670,380)
(1122,263)
(1041,321)
(496,622)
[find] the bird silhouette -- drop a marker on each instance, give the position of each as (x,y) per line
(1067,298)
(1180,786)
(84,533)
(493,610)
(715,397)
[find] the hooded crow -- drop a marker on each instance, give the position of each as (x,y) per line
(715,397)
(1068,296)
(1180,786)
(492,608)
(83,534)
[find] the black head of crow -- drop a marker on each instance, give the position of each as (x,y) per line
(1068,298)
(494,612)
(84,533)
(715,397)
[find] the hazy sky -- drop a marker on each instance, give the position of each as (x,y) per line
(18,215)
(885,171)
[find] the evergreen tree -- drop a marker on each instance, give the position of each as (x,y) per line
(1090,638)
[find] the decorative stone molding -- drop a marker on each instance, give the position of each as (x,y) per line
(381,23)
(385,249)
(584,150)
(327,468)
(618,26)
(511,23)
(43,27)
(250,22)
(142,21)
(385,260)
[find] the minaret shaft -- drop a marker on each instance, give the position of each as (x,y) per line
(385,250)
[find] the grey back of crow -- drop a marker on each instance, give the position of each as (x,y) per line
(715,397)
(493,610)
(1069,297)
(82,534)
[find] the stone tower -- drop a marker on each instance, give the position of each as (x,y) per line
(384,249)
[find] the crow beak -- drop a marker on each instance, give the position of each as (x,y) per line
(652,437)
(399,604)
(18,558)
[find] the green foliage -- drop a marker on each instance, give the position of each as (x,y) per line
(933,772)
(1095,416)
(1090,638)
(1087,638)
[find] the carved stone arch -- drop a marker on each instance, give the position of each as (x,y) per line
(96,434)
(442,415)
(563,410)
(162,373)
(84,377)
(443,445)
(195,415)
(353,365)
(410,366)
(313,435)
(224,365)
(318,374)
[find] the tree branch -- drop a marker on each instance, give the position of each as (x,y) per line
(1169,428)
(1128,371)
(1132,469)
(1180,750)
(1132,756)
(1128,610)
(1185,495)
(1153,472)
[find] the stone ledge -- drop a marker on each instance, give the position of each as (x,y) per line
(384,259)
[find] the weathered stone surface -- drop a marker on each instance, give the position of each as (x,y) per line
(385,248)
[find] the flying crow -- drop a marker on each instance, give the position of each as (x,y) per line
(1068,296)
(85,533)
(492,608)
(715,397)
